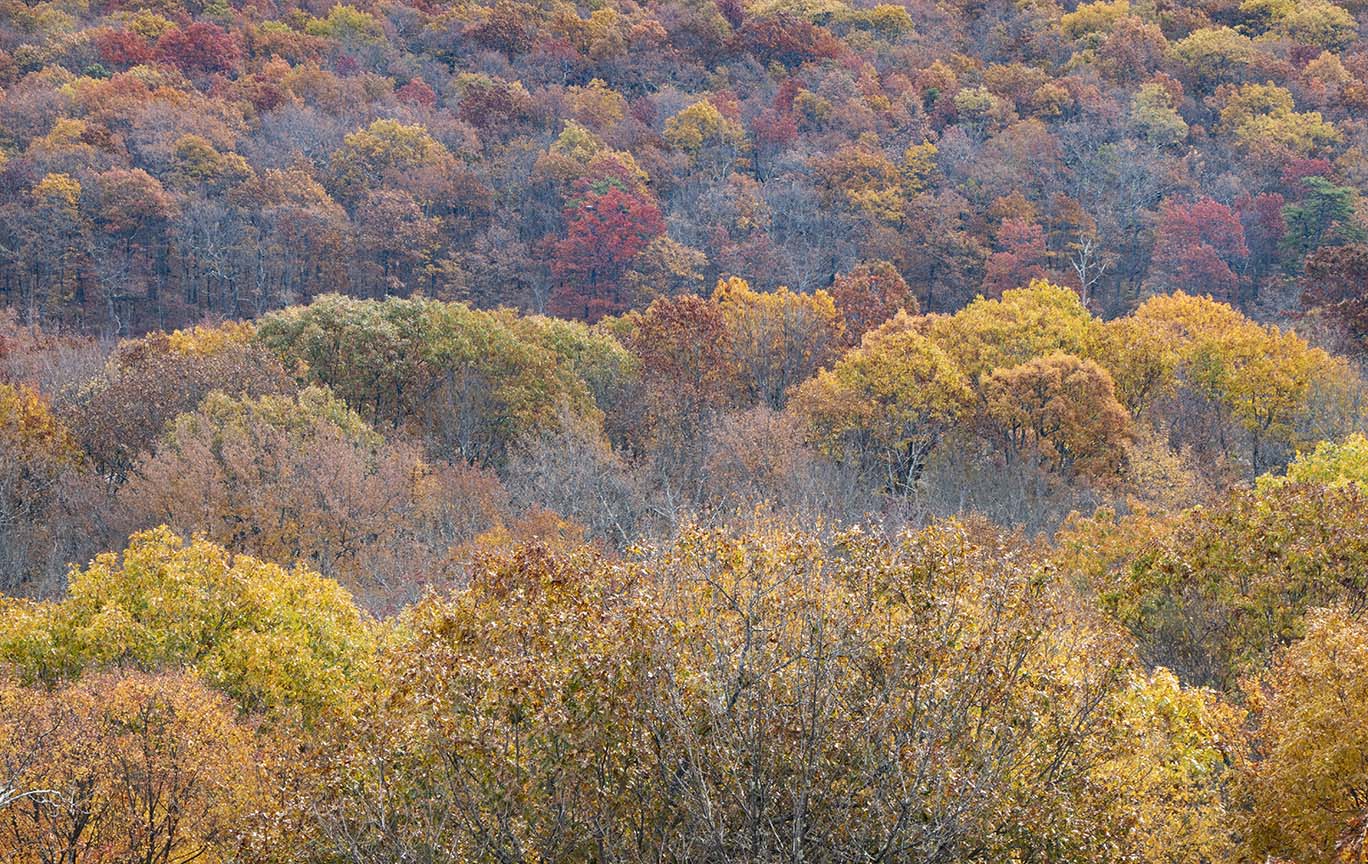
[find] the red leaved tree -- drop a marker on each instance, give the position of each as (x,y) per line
(1197,248)
(604,232)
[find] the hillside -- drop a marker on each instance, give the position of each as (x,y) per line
(160,161)
(703,431)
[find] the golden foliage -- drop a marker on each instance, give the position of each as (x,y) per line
(283,641)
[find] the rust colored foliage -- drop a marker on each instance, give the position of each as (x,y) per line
(200,48)
(869,295)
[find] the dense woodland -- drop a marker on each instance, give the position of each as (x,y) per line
(163,160)
(691,431)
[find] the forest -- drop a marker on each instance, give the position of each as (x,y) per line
(756,431)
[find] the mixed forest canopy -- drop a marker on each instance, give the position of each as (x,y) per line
(691,431)
(165,160)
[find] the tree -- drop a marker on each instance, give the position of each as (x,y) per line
(868,295)
(1165,773)
(1331,463)
(1264,228)
(56,243)
(682,346)
(1266,379)
(604,232)
(1023,324)
(393,153)
(575,474)
(1143,357)
(664,268)
(199,162)
(124,48)
(507,27)
(1316,24)
(512,725)
(1198,247)
(787,39)
(1213,55)
(777,338)
(760,455)
(1093,17)
(863,181)
(595,355)
(1020,258)
(131,767)
(1061,411)
(491,103)
(417,92)
(37,447)
(711,139)
(466,380)
(398,241)
(146,382)
(1133,50)
(1333,284)
(133,210)
(200,48)
(306,236)
(41,465)
(885,405)
(1263,122)
(734,695)
(287,642)
(305,479)
(779,730)
(1325,216)
(1303,789)
(1220,590)
(1253,380)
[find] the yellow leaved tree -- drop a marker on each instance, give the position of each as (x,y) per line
(778,338)
(885,405)
(1304,794)
(284,641)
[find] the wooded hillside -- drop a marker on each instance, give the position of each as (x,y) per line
(700,431)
